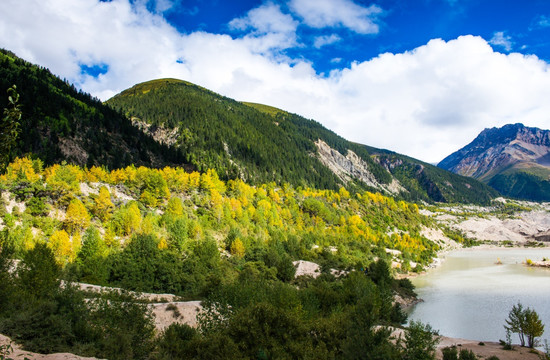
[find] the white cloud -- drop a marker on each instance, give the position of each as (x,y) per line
(269,28)
(540,22)
(504,41)
(266,18)
(425,103)
(338,13)
(323,40)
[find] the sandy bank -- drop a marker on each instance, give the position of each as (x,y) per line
(488,349)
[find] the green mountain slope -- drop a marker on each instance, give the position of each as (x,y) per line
(261,143)
(522,185)
(60,123)
(428,182)
(171,121)
(237,139)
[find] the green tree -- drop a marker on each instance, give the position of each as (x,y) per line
(420,342)
(6,278)
(90,260)
(533,327)
(39,272)
(516,322)
(450,353)
(263,331)
(526,323)
(123,329)
(9,127)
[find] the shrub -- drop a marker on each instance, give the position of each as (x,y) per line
(466,354)
(450,353)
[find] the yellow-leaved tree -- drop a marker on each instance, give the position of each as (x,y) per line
(174,207)
(237,248)
(77,217)
(64,178)
(24,170)
(103,207)
(62,247)
(132,219)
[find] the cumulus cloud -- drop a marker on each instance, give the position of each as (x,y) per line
(267,18)
(426,103)
(267,28)
(502,40)
(323,40)
(338,13)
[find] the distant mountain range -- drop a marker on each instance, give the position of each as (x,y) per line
(173,122)
(513,159)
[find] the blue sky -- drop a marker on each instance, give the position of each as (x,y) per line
(420,77)
(403,25)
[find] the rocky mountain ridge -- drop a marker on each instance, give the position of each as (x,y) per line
(514,159)
(495,150)
(352,166)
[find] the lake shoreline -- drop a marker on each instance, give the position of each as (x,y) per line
(441,257)
(505,259)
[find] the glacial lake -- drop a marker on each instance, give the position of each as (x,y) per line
(469,296)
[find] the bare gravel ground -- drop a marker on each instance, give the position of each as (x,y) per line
(488,349)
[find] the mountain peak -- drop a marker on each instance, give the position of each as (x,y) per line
(503,151)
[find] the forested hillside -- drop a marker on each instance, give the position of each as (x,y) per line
(60,122)
(173,122)
(194,235)
(431,183)
(261,143)
(236,139)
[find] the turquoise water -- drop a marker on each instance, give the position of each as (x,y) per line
(469,296)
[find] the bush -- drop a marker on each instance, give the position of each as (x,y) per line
(466,354)
(122,329)
(176,342)
(420,342)
(450,353)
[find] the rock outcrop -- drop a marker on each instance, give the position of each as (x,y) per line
(351,167)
